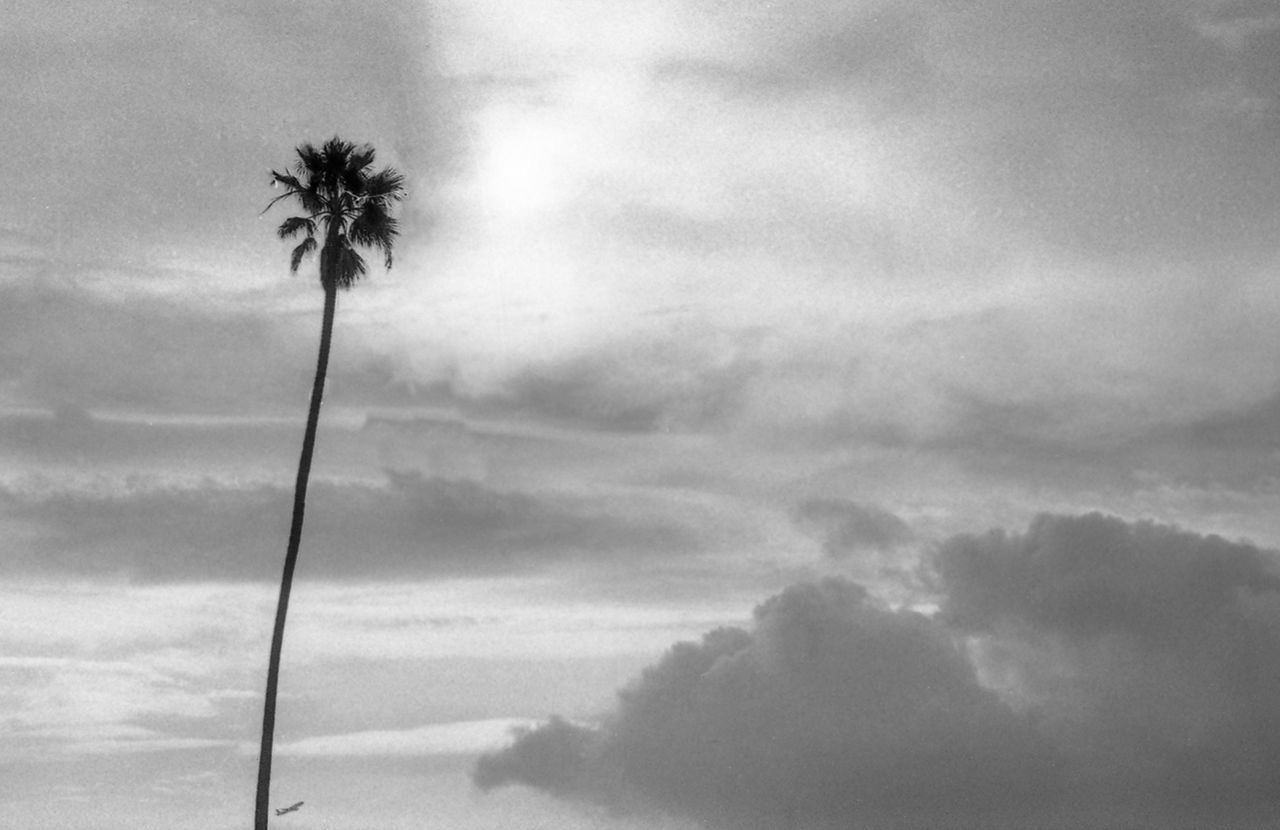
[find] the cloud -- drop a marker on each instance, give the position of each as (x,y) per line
(139,702)
(557,756)
(871,50)
(687,380)
(1087,669)
(831,706)
(846,528)
(1090,576)
(134,741)
(1003,390)
(1149,652)
(143,352)
(86,670)
(458,738)
(850,189)
(407,525)
(78,444)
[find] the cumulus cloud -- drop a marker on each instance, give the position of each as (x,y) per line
(1086,669)
(831,705)
(1150,652)
(1089,576)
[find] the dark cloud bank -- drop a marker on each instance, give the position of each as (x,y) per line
(409,526)
(1089,672)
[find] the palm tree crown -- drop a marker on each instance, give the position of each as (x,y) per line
(346,202)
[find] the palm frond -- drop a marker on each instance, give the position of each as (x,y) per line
(346,203)
(337,148)
(292,186)
(307,246)
(310,162)
(350,266)
(285,179)
(292,226)
(370,223)
(387,185)
(311,199)
(357,162)
(361,157)
(303,188)
(375,228)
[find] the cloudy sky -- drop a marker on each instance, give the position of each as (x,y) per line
(780,414)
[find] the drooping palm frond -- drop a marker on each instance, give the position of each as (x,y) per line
(350,266)
(294,225)
(306,192)
(285,179)
(299,253)
(375,228)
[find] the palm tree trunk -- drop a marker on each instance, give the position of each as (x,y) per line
(262,804)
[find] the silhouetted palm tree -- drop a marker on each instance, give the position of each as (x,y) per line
(346,205)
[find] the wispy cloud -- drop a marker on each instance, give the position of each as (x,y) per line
(88,670)
(460,738)
(407,525)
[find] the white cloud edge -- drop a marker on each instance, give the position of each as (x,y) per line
(452,738)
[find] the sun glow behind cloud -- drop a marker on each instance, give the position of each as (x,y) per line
(521,171)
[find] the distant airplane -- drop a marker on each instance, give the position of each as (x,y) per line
(282,810)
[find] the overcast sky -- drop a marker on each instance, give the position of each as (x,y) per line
(780,414)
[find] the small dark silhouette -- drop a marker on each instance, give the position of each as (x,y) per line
(348,205)
(282,810)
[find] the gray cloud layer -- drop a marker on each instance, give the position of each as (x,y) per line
(1085,670)
(408,526)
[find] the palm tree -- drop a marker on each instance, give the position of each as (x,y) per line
(347,204)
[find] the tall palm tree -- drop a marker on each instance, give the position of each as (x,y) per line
(347,205)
